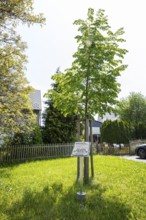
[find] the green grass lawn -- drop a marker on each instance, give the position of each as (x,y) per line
(46,190)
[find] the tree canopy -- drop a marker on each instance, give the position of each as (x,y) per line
(18,10)
(15,106)
(12,12)
(58,128)
(90,85)
(133,110)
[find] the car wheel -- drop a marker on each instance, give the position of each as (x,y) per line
(142,153)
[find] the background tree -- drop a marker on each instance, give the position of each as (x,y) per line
(116,131)
(15,108)
(37,135)
(11,14)
(58,128)
(133,110)
(18,10)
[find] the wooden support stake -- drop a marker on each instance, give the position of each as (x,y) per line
(78,158)
(91,151)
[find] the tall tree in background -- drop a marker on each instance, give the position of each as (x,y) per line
(58,128)
(15,107)
(133,110)
(13,11)
(90,86)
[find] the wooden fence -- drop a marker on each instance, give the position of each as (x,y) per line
(26,152)
(32,152)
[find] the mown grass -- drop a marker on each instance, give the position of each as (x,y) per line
(46,190)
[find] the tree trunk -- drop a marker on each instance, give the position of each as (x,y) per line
(86,159)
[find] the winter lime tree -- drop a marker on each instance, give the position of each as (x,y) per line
(90,85)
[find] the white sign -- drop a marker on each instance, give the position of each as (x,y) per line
(81,149)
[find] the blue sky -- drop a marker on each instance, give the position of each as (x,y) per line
(53,45)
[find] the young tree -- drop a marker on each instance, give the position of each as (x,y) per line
(15,108)
(133,110)
(90,86)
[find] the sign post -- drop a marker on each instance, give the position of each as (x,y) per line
(81,150)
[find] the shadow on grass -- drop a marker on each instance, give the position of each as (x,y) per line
(54,202)
(97,206)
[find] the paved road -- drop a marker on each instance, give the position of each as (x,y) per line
(134,158)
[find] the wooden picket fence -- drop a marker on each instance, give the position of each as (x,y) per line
(32,152)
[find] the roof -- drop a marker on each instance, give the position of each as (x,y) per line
(36,100)
(96,124)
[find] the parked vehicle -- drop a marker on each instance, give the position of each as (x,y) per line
(141,151)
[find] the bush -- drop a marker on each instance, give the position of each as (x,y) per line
(115,132)
(28,138)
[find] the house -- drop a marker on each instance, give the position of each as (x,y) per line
(97,124)
(96,130)
(36,105)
